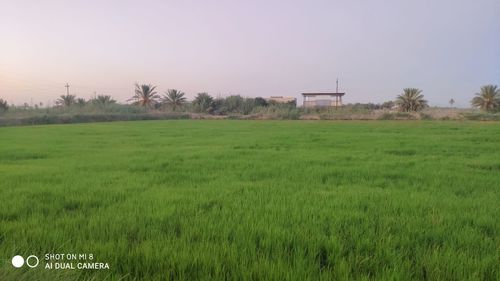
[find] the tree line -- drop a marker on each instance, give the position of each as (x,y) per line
(147,97)
(412,99)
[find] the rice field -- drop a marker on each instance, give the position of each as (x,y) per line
(253,200)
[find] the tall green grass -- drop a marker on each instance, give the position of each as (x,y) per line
(254,200)
(84,114)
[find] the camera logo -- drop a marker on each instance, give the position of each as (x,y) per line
(31,261)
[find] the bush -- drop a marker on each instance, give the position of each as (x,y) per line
(483,116)
(398,116)
(88,118)
(404,115)
(234,104)
(258,101)
(291,114)
(424,116)
(278,111)
(387,116)
(3,106)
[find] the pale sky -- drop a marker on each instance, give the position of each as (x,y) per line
(447,48)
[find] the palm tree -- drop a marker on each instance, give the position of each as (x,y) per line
(411,100)
(103,100)
(81,102)
(3,105)
(145,95)
(174,98)
(488,99)
(203,102)
(66,100)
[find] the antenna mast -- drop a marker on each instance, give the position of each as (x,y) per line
(67,89)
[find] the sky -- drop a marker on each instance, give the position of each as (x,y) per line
(447,48)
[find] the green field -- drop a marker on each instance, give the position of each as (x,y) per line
(254,200)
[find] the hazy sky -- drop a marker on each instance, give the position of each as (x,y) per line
(448,48)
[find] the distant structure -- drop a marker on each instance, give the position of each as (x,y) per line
(323,99)
(67,89)
(281,99)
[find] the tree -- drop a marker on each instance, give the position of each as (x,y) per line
(388,105)
(248,105)
(488,99)
(66,100)
(4,106)
(217,107)
(203,102)
(234,103)
(260,101)
(81,102)
(411,100)
(103,100)
(174,98)
(145,95)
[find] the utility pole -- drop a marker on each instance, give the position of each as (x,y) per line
(67,89)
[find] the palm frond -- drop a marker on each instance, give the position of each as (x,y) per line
(411,100)
(174,98)
(66,100)
(488,98)
(145,95)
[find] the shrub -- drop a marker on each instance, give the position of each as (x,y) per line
(88,118)
(258,101)
(482,116)
(424,116)
(291,113)
(278,111)
(388,105)
(234,103)
(248,105)
(387,116)
(3,106)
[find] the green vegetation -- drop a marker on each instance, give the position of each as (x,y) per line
(203,102)
(488,99)
(103,100)
(411,100)
(253,200)
(174,98)
(4,106)
(145,96)
(147,104)
(482,116)
(67,100)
